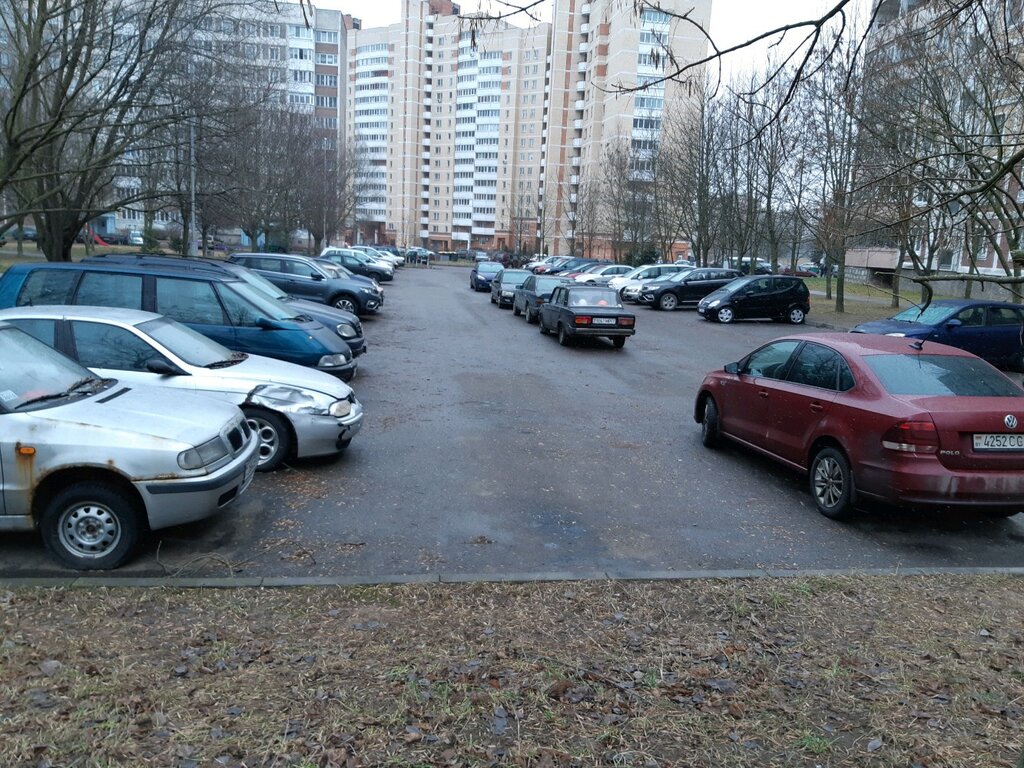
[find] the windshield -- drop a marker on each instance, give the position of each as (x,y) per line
(515,276)
(940,375)
(189,345)
(272,309)
(933,314)
(678,277)
(489,267)
(594,297)
(30,372)
(261,283)
(547,284)
(333,271)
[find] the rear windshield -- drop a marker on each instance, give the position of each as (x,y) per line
(594,297)
(940,375)
(487,266)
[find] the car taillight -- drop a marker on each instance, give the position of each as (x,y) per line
(626,320)
(540,301)
(912,436)
(582,320)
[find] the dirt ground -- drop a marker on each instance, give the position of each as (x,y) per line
(826,671)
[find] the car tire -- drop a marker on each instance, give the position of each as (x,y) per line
(668,302)
(618,341)
(831,481)
(346,303)
(540,325)
(796,316)
(710,434)
(515,309)
(563,336)
(92,526)
(725,315)
(531,318)
(492,298)
(274,435)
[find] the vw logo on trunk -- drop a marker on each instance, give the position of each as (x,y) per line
(1010,421)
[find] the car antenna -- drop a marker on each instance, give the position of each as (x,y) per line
(917,344)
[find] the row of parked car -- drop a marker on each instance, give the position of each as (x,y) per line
(140,391)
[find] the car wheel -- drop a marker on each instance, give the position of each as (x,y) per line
(709,431)
(345,303)
(540,325)
(725,315)
(619,341)
(668,302)
(492,298)
(796,315)
(832,484)
(91,526)
(515,309)
(563,336)
(275,437)
(531,318)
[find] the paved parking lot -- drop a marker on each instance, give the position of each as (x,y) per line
(490,450)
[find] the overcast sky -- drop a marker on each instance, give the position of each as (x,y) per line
(731,20)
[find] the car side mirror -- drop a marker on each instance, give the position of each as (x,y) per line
(954,323)
(267,324)
(732,368)
(163,367)
(317,276)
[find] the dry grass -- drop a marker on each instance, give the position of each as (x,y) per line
(803,672)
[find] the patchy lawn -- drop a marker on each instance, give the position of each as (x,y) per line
(914,671)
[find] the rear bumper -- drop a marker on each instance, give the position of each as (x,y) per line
(607,331)
(926,483)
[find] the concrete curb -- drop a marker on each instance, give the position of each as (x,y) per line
(271,582)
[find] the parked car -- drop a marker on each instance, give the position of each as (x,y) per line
(685,289)
(631,291)
(314,280)
(135,238)
(569,265)
(638,275)
(532,294)
(602,273)
(549,265)
(753,296)
(359,263)
(229,311)
(576,310)
(801,270)
(25,234)
(874,417)
(294,411)
(345,324)
(93,464)
(380,255)
(504,284)
(992,330)
(540,261)
(482,273)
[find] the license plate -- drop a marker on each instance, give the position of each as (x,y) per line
(604,321)
(993,442)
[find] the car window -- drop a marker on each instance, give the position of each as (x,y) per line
(264,263)
(98,289)
(816,366)
(47,286)
(972,316)
(40,328)
(938,375)
(759,286)
(1003,316)
(528,283)
(769,361)
(597,297)
(299,268)
(189,301)
(98,345)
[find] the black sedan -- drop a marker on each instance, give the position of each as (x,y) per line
(532,294)
(503,286)
(579,309)
(686,289)
(483,273)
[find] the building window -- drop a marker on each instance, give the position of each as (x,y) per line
(328,80)
(300,31)
(325,36)
(327,58)
(300,54)
(330,102)
(301,76)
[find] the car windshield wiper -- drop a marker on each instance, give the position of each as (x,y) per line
(236,357)
(66,393)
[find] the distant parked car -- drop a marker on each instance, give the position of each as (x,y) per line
(532,294)
(359,263)
(638,275)
(135,238)
(992,330)
(570,265)
(93,464)
(312,279)
(381,255)
(25,234)
(550,264)
(753,297)
(295,411)
(875,417)
(602,273)
(576,310)
(482,273)
(685,289)
(504,284)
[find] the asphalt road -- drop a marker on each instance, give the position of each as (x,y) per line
(489,450)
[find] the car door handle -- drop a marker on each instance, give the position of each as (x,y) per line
(817,407)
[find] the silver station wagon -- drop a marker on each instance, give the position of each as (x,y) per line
(94,464)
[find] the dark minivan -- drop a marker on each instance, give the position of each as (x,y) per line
(775,297)
(228,311)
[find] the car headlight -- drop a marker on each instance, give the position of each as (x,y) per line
(376,285)
(340,408)
(346,331)
(370,291)
(331,361)
(713,304)
(288,399)
(506,293)
(200,456)
(900,335)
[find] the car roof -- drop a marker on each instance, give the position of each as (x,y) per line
(126,267)
(856,344)
(116,315)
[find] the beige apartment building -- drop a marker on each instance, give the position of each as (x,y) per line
(477,134)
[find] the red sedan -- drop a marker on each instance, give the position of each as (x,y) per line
(902,421)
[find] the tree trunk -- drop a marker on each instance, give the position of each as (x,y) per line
(895,303)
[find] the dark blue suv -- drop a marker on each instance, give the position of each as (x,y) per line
(229,311)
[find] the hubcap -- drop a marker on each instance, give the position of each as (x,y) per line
(89,530)
(796,316)
(828,482)
(268,438)
(725,315)
(668,302)
(344,304)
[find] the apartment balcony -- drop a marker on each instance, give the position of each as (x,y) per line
(428,60)
(426,101)
(424,221)
(577,143)
(579,105)
(483,230)
(428,46)
(425,168)
(427,115)
(426,154)
(424,233)
(574,179)
(573,198)
(581,86)
(424,207)
(581,67)
(460,236)
(426,141)
(575,162)
(464,210)
(577,125)
(547,104)
(585,9)
(584,28)
(424,194)
(584,48)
